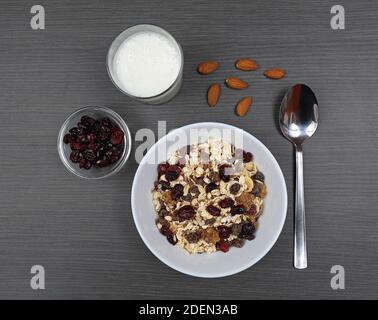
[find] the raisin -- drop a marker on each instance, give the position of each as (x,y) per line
(213,210)
(214,176)
(163,212)
(226,203)
(236,228)
(164,185)
(165,230)
(238,243)
(239,209)
(259,176)
(172,172)
(235,188)
(224,232)
(177,191)
(193,237)
(247,157)
(186,212)
(211,186)
(194,191)
(171,239)
(247,231)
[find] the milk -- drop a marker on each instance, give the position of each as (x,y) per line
(146,64)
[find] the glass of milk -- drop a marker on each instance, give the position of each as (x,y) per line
(145,62)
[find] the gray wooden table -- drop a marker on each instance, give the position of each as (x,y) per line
(82,232)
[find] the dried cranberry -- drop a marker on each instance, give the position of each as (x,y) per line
(82,138)
(87,165)
(211,186)
(235,188)
(116,136)
(90,155)
(87,121)
(224,172)
(74,132)
(75,156)
(239,209)
(223,246)
(224,232)
(104,133)
(177,191)
(101,163)
(172,173)
(213,210)
(247,231)
(226,203)
(76,146)
(252,210)
(93,146)
(162,168)
(186,212)
(91,137)
(106,122)
(96,127)
(171,239)
(259,176)
(82,163)
(67,138)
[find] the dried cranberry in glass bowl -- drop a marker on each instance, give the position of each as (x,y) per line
(95,142)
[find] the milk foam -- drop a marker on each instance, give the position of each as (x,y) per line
(146,64)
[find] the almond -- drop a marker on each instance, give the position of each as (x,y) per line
(207,67)
(242,106)
(236,83)
(246,64)
(213,94)
(275,73)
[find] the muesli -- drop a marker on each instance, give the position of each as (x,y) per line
(208,197)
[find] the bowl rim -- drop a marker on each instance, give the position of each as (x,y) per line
(214,274)
(125,154)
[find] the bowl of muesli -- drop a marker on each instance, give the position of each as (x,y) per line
(209,199)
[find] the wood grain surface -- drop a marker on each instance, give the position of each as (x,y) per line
(82,232)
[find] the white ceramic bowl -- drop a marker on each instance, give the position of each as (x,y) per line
(215,264)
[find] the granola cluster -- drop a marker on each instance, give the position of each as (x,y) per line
(208,197)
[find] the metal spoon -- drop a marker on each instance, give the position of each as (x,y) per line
(298,118)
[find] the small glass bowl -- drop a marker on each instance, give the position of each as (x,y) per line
(64,150)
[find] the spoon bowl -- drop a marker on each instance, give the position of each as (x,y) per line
(298,118)
(299,114)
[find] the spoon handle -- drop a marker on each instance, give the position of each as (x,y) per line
(300,251)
